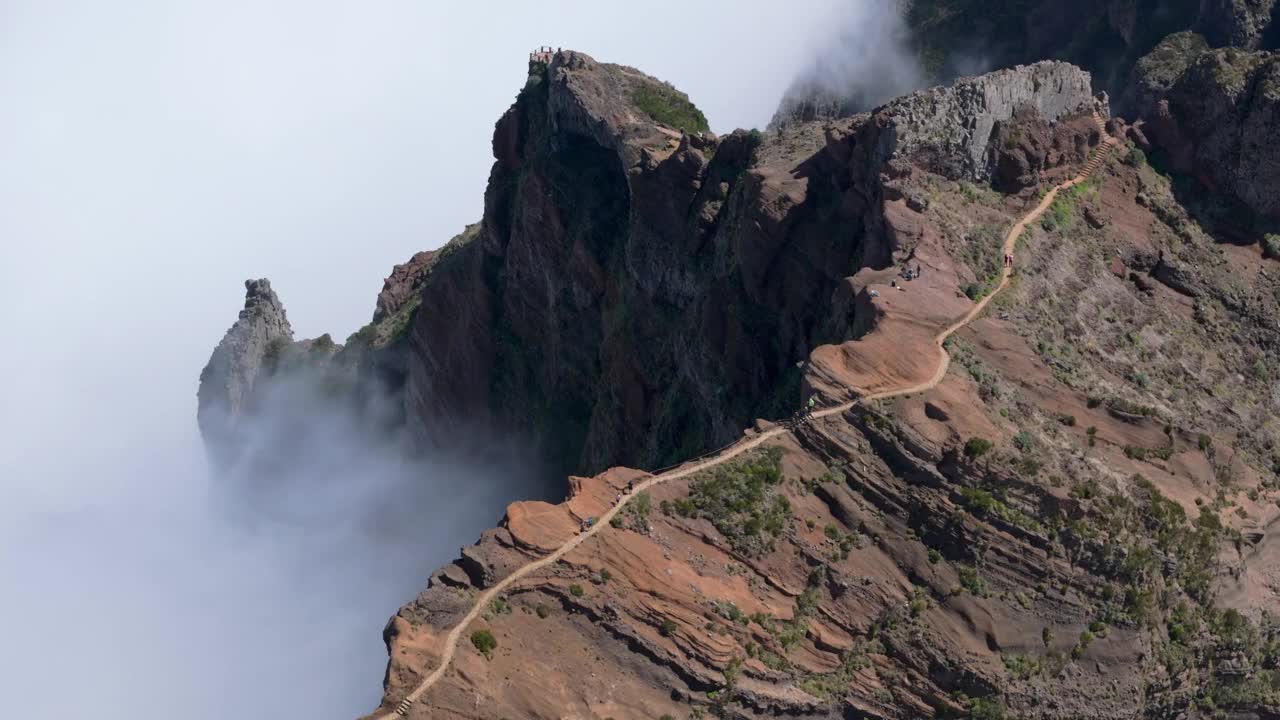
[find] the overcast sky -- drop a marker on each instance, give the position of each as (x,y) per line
(155,153)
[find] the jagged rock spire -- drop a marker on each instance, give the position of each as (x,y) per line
(227,380)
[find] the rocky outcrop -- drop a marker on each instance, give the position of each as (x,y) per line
(1216,114)
(952,126)
(1236,23)
(402,286)
(227,382)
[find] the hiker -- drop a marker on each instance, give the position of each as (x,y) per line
(917,269)
(893,283)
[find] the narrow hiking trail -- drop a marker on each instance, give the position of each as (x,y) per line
(745,445)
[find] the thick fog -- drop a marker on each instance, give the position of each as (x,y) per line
(864,61)
(155,154)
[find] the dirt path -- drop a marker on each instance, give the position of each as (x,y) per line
(1010,243)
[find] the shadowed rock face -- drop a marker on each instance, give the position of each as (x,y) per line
(1216,115)
(227,381)
(1237,23)
(632,295)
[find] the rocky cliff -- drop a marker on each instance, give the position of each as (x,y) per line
(1073,522)
(635,291)
(1215,114)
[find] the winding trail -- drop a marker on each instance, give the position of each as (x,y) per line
(745,445)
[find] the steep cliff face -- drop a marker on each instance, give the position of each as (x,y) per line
(1215,114)
(633,293)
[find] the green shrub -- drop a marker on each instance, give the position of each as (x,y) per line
(667,628)
(1024,441)
(970,580)
(740,500)
(364,336)
(666,105)
(988,708)
(484,642)
(934,556)
(542,611)
(1271,246)
(1085,490)
(983,504)
(1135,158)
(576,590)
(976,447)
(635,514)
(500,606)
(1022,666)
(1046,636)
(790,632)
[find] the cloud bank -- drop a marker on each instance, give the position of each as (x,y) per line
(156,154)
(862,60)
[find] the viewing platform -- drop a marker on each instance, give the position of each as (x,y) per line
(543,55)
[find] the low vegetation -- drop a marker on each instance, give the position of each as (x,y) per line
(666,105)
(986,505)
(1062,211)
(976,447)
(741,500)
(635,514)
(485,642)
(983,253)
